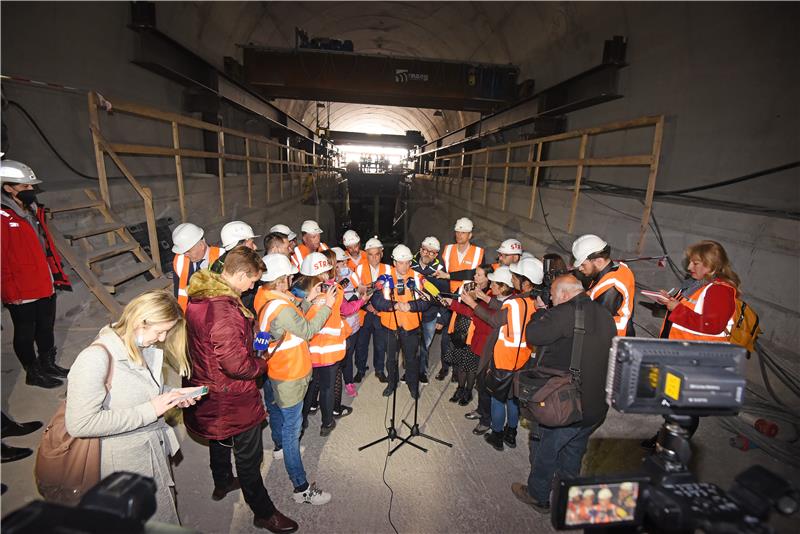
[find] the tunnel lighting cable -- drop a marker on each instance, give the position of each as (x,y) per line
(547,224)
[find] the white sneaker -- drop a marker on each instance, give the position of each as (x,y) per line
(312,496)
(278,455)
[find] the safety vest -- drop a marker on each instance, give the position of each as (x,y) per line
(695,303)
(328,346)
(511,351)
(623,281)
(301,251)
(291,360)
(408,320)
(362,260)
(472,260)
(180,265)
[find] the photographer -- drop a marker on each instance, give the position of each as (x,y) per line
(560,450)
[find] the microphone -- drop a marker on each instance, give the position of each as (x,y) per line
(434,292)
(401,287)
(410,283)
(261,343)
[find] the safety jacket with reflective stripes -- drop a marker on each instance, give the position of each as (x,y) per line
(614,289)
(472,260)
(180,268)
(511,351)
(328,346)
(706,315)
(291,359)
(301,251)
(362,260)
(408,320)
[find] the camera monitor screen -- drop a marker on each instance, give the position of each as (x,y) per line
(586,503)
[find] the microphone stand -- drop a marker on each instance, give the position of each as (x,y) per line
(391,430)
(414,428)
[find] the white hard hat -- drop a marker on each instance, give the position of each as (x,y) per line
(185,236)
(350,237)
(588,492)
(501,275)
(277,265)
(526,255)
(310,227)
(604,493)
(314,264)
(463,225)
(341,255)
(283,229)
(373,242)
(627,486)
(530,268)
(574,491)
(402,253)
(431,243)
(14,172)
(510,246)
(233,232)
(585,246)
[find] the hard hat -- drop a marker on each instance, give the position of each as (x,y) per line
(588,493)
(350,238)
(604,493)
(277,265)
(233,232)
(185,236)
(283,229)
(310,227)
(510,246)
(530,268)
(314,264)
(463,225)
(14,172)
(431,243)
(585,246)
(526,255)
(574,491)
(501,275)
(401,253)
(341,255)
(373,242)
(627,486)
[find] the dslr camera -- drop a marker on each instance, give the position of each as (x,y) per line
(550,274)
(679,380)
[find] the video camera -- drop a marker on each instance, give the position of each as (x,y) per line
(550,273)
(679,380)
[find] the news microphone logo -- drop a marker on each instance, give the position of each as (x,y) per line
(261,341)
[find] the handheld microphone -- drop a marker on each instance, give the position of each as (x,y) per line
(401,287)
(410,283)
(261,343)
(433,291)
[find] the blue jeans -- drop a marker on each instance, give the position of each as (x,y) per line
(499,411)
(275,419)
(372,327)
(428,331)
(287,423)
(558,451)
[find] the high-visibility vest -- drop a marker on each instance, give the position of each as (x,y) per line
(511,351)
(408,320)
(695,303)
(472,260)
(623,281)
(180,265)
(301,251)
(362,260)
(329,345)
(291,360)
(363,276)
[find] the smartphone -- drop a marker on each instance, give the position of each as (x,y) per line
(203,390)
(469,286)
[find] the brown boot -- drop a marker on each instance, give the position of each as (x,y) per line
(277,523)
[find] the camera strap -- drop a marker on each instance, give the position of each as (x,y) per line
(578,332)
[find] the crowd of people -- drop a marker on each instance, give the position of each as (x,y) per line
(281,336)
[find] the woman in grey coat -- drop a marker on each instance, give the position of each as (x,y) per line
(128,418)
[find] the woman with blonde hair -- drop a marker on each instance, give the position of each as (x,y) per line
(128,417)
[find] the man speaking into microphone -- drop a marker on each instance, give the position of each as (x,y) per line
(400,312)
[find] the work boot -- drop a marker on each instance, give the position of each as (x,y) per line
(457,395)
(442,373)
(495,439)
(359,377)
(510,436)
(423,378)
(34,376)
(388,391)
(220,492)
(382,377)
(12,428)
(12,454)
(277,523)
(466,397)
(47,361)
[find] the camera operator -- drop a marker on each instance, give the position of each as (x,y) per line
(560,450)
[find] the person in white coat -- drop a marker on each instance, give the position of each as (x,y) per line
(128,418)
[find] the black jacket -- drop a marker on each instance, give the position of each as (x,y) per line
(435,311)
(552,331)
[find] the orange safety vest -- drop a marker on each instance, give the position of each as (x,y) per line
(695,303)
(472,260)
(301,251)
(362,260)
(622,280)
(511,351)
(291,360)
(408,320)
(180,266)
(363,276)
(328,346)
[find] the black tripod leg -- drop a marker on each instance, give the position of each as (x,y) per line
(437,440)
(379,440)
(405,440)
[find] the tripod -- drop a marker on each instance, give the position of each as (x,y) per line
(414,428)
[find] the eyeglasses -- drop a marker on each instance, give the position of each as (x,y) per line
(429,252)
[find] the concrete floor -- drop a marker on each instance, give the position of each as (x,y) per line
(463,489)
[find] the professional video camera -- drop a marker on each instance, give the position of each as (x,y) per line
(678,380)
(550,274)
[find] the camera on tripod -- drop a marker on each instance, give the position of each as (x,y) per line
(679,380)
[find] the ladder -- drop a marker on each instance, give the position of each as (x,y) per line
(114,283)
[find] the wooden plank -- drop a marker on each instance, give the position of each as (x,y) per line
(505,177)
(176,144)
(485,178)
(658,135)
(109,252)
(123,274)
(221,171)
(152,234)
(249,176)
(151,150)
(86,204)
(99,157)
(280,155)
(471,176)
(89,231)
(578,176)
(267,165)
(535,181)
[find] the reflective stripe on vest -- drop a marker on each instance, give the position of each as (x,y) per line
(301,251)
(329,345)
(472,260)
(291,360)
(623,281)
(364,272)
(695,303)
(511,351)
(408,320)
(180,266)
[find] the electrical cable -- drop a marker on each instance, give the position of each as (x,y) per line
(637,325)
(385,466)
(544,216)
(732,181)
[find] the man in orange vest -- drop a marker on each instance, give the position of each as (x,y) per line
(371,326)
(460,261)
(509,253)
(192,253)
(287,232)
(312,242)
(401,311)
(612,284)
(352,244)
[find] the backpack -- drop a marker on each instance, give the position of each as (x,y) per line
(745,330)
(67,467)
